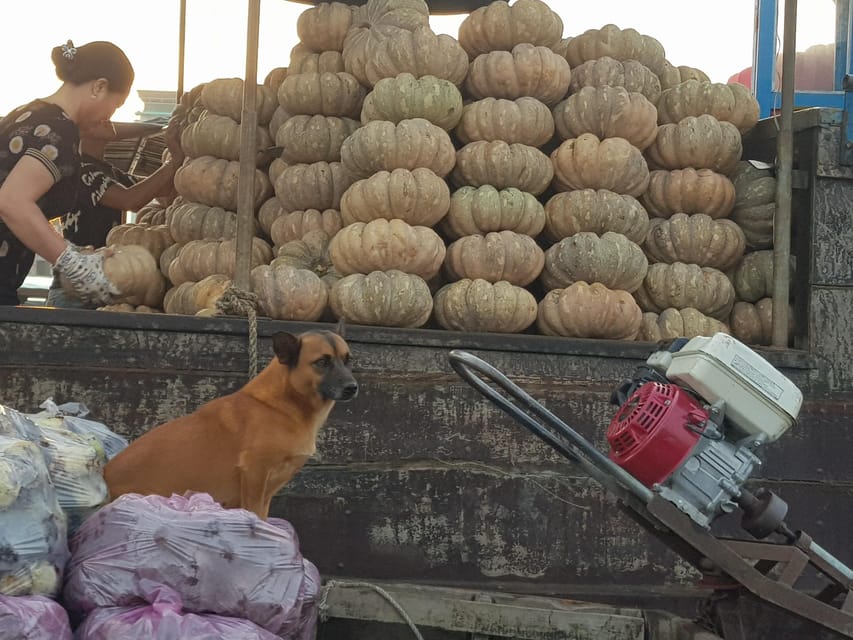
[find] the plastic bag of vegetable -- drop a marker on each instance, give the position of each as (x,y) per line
(164,619)
(33,618)
(72,417)
(223,561)
(33,538)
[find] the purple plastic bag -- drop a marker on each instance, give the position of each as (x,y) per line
(33,618)
(163,619)
(223,561)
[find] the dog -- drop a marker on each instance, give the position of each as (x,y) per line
(244,447)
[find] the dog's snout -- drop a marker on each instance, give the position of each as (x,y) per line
(349,390)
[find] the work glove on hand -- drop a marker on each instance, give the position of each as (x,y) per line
(85,273)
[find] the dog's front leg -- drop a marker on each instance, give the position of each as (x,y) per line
(254,480)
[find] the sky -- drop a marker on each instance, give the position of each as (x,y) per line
(716,37)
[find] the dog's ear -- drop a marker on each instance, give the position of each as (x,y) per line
(341,328)
(286,348)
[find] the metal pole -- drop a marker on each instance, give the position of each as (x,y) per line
(784,160)
(248,150)
(182,46)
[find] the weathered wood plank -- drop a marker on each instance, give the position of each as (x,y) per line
(831,318)
(832,245)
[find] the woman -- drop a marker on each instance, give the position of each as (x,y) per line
(40,168)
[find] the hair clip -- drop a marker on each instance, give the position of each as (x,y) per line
(68,50)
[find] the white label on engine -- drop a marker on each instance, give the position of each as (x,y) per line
(756,377)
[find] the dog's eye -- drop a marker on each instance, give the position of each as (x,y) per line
(323,362)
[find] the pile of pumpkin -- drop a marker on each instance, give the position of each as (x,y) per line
(501,181)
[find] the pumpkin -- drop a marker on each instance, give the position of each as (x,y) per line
(607,112)
(169,254)
(419,197)
(678,323)
(753,277)
(753,323)
(616,43)
(124,307)
(315,93)
(151,214)
(527,70)
(479,210)
(608,72)
(198,259)
(134,272)
(318,185)
(610,259)
(503,165)
(358,47)
(727,102)
(613,164)
(408,144)
(419,52)
(194,221)
(500,27)
(696,239)
(755,204)
(289,293)
(672,75)
(405,97)
(279,117)
(384,245)
(275,170)
(701,142)
(295,225)
(213,181)
(596,211)
(382,298)
(681,285)
(303,60)
(154,238)
(523,120)
(275,77)
(403,14)
(324,26)
(225,97)
(311,252)
(495,256)
(219,136)
(192,298)
(482,306)
(689,191)
(305,139)
(589,311)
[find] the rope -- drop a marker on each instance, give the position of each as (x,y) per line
(323,606)
(236,302)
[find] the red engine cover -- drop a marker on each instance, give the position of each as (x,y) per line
(650,436)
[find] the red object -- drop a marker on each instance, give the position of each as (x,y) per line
(655,431)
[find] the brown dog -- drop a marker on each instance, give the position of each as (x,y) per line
(244,447)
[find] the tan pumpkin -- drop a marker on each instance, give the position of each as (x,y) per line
(194,221)
(169,254)
(382,298)
(523,120)
(154,238)
(405,97)
(134,272)
(318,185)
(681,285)
(608,72)
(616,43)
(689,191)
(727,102)
(384,245)
(678,323)
(324,26)
(527,70)
(295,225)
(502,165)
(219,136)
(572,212)
(404,14)
(753,277)
(225,97)
(613,164)
(610,259)
(481,306)
(701,142)
(289,293)
(306,139)
(420,52)
(193,298)
(200,258)
(753,323)
(589,311)
(696,239)
(418,197)
(495,256)
(755,204)
(311,252)
(672,75)
(151,214)
(275,77)
(408,144)
(358,47)
(303,60)
(275,170)
(328,94)
(607,112)
(213,181)
(124,307)
(279,117)
(499,26)
(480,210)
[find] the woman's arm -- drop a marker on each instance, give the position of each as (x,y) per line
(28,181)
(132,198)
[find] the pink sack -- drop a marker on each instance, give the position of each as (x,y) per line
(33,618)
(223,561)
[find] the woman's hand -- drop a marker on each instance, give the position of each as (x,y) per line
(84,272)
(173,141)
